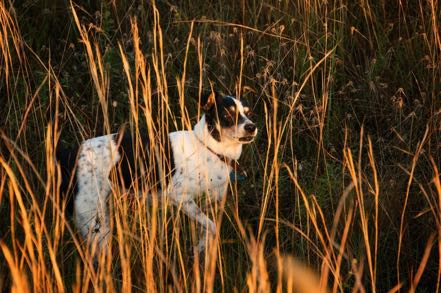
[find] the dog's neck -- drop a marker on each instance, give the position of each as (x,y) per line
(225,147)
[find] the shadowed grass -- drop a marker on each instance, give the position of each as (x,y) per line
(343,189)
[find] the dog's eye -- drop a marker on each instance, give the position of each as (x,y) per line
(248,113)
(226,116)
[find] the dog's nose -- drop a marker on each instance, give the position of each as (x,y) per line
(250,127)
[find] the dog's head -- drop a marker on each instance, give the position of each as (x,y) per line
(228,118)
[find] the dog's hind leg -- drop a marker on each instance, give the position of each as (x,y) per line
(95,161)
(91,213)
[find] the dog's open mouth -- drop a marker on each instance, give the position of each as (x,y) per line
(247,139)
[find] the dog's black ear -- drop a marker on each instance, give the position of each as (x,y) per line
(208,100)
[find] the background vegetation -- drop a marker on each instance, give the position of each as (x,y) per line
(343,191)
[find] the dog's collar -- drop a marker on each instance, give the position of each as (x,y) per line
(237,172)
(223,158)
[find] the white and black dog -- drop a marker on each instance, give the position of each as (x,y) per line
(199,162)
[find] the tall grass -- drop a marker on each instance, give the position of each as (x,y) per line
(343,192)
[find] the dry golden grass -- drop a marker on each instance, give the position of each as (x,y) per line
(316,233)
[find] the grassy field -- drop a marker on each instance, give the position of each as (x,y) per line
(343,192)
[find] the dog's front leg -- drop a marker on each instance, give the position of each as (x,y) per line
(191,209)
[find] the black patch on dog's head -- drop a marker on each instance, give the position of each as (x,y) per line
(208,104)
(208,100)
(221,111)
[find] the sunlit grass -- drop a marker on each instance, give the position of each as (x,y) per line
(345,168)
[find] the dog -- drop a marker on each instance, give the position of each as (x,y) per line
(197,162)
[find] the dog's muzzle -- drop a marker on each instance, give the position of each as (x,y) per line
(250,128)
(251,131)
